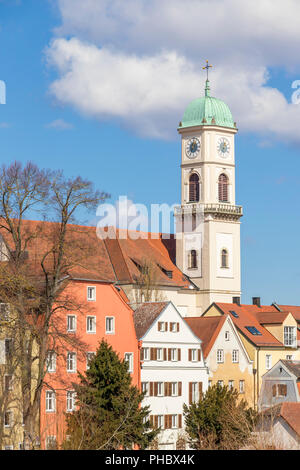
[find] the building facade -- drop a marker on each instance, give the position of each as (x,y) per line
(173,371)
(225,355)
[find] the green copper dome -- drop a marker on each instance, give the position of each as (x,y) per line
(207,111)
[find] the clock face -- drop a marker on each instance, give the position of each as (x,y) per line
(223,147)
(192,147)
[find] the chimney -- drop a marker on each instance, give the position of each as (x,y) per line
(256,301)
(236,300)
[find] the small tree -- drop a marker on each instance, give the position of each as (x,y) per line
(109,415)
(219,420)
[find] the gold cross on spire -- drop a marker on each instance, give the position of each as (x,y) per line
(207,67)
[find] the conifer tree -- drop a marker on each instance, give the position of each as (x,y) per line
(109,414)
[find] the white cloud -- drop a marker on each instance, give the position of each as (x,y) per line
(139,62)
(59,124)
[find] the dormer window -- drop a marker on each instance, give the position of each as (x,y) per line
(290,336)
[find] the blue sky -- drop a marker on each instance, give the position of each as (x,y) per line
(113,118)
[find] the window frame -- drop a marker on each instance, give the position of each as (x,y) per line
(130,362)
(53,361)
(49,400)
(72,330)
(72,360)
(235,356)
(112,331)
(93,318)
(220,356)
(71,400)
(93,299)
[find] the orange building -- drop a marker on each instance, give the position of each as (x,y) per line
(103,314)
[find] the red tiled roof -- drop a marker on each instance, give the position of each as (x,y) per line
(294,309)
(248,316)
(130,249)
(85,254)
(112,260)
(271,317)
(207,329)
(290,412)
(145,315)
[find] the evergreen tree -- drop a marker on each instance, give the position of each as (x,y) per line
(219,420)
(109,414)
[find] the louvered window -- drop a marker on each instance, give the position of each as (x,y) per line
(223,188)
(194,192)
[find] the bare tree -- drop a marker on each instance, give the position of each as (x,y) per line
(37,263)
(147,285)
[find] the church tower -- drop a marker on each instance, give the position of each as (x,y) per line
(208,244)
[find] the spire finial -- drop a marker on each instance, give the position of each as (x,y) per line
(207,88)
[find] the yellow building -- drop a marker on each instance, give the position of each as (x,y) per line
(225,354)
(268,335)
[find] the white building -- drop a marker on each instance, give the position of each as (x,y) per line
(173,370)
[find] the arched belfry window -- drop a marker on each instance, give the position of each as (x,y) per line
(194,192)
(224,259)
(193,259)
(223,184)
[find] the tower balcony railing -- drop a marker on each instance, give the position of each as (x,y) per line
(217,208)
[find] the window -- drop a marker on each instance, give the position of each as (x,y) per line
(8,348)
(290,336)
(50,400)
(71,323)
(110,325)
(8,419)
(71,362)
(51,361)
(234,314)
(223,188)
(160,421)
(194,192)
(174,355)
(227,336)
(91,324)
(235,355)
(91,293)
(128,357)
(71,398)
(145,388)
(220,383)
(210,383)
(8,383)
(160,389)
(174,327)
(254,331)
(289,358)
(162,326)
(159,354)
(174,421)
(242,386)
(194,355)
(195,392)
(268,361)
(9,447)
(89,357)
(279,390)
(174,389)
(51,442)
(224,259)
(230,384)
(193,264)
(4,312)
(220,355)
(145,354)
